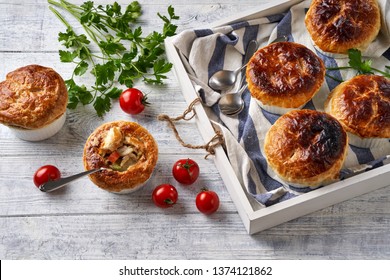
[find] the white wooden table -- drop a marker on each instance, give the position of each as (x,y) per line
(82,221)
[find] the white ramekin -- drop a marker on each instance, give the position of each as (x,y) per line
(368,142)
(39,134)
(329,54)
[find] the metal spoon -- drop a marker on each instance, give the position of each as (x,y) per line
(225,79)
(54,185)
(232,103)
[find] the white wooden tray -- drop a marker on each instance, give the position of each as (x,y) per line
(256,219)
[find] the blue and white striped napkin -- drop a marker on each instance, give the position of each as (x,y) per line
(205,51)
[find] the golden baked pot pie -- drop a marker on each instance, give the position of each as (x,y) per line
(33,102)
(306,148)
(336,26)
(284,76)
(127,151)
(362,106)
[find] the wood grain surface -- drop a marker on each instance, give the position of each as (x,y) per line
(82,221)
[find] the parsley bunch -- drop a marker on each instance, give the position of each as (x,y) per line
(125,54)
(361,66)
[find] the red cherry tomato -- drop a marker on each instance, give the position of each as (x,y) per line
(46,173)
(165,195)
(207,202)
(133,101)
(185,171)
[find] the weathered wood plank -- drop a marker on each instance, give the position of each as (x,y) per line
(168,236)
(34,33)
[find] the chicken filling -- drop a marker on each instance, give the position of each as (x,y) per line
(119,151)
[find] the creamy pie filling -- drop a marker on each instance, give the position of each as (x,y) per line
(119,151)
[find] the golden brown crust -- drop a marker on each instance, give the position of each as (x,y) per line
(284,74)
(32,97)
(338,25)
(362,105)
(306,147)
(137,174)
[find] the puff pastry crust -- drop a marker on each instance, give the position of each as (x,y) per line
(138,155)
(362,105)
(284,74)
(338,25)
(306,148)
(32,97)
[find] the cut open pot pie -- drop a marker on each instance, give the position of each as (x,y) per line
(127,151)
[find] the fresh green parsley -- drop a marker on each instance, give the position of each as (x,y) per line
(361,66)
(125,54)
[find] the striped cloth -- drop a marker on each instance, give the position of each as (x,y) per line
(205,51)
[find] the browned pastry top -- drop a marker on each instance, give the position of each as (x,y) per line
(338,25)
(139,154)
(32,97)
(284,74)
(306,147)
(362,105)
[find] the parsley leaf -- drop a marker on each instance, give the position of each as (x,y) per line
(77,94)
(81,68)
(102,104)
(126,55)
(104,72)
(67,56)
(361,66)
(357,63)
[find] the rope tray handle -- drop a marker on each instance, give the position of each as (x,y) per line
(210,146)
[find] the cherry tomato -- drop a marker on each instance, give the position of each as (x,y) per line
(207,202)
(133,101)
(46,173)
(185,171)
(164,195)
